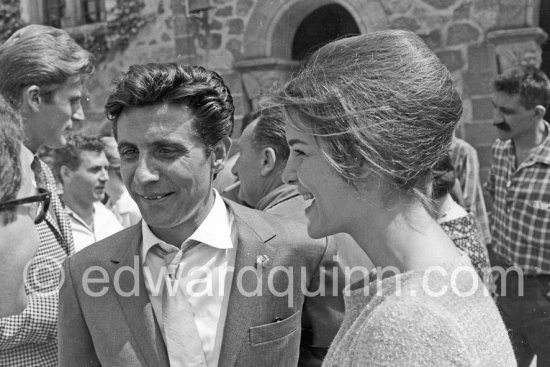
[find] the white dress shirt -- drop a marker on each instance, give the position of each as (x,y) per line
(105,224)
(206,272)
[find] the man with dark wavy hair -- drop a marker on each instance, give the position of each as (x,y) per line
(82,168)
(212,283)
(519,186)
(41,73)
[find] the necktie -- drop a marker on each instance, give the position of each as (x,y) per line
(180,330)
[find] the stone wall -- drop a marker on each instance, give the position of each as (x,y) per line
(248,42)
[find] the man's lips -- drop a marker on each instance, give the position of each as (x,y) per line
(502,126)
(154,196)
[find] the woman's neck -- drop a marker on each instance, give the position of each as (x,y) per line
(405,237)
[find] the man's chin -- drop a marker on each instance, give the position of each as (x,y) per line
(503,135)
(59,143)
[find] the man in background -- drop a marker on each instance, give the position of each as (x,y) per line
(41,73)
(466,164)
(82,168)
(263,155)
(119,200)
(519,185)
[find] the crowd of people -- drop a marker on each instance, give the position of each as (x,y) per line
(347,228)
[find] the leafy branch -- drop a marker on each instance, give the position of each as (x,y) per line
(10,18)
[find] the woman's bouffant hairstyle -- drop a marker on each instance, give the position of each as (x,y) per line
(382,99)
(40,55)
(10,166)
(201,90)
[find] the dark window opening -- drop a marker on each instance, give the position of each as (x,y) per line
(91,11)
(53,12)
(323,25)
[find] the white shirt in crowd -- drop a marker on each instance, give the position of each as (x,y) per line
(126,210)
(215,257)
(105,224)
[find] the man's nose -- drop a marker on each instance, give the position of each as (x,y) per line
(78,114)
(145,172)
(104,175)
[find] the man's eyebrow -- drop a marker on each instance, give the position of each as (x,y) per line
(124,144)
(292,142)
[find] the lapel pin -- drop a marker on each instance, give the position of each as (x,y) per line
(263,261)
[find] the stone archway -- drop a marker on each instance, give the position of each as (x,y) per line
(269,35)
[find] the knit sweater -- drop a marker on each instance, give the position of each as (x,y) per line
(410,320)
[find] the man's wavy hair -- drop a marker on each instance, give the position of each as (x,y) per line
(40,55)
(383,100)
(201,90)
(530,83)
(10,149)
(69,155)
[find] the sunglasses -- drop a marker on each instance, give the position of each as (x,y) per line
(41,203)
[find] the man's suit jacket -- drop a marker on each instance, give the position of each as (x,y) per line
(268,330)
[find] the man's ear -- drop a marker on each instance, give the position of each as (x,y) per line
(219,154)
(65,173)
(269,161)
(31,98)
(540,111)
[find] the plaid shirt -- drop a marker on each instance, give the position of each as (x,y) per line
(30,338)
(466,164)
(521,206)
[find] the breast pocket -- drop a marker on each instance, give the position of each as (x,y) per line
(537,215)
(276,331)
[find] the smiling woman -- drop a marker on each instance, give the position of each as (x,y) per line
(367,119)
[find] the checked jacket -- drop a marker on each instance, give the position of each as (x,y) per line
(30,338)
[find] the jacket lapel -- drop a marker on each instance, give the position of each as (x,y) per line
(253,233)
(56,216)
(137,309)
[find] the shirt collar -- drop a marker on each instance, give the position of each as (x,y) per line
(542,154)
(214,231)
(28,157)
(77,217)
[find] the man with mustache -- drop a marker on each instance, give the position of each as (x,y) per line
(519,185)
(82,168)
(41,73)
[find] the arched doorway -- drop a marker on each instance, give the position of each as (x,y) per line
(280,33)
(321,26)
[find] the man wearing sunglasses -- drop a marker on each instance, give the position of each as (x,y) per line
(41,73)
(20,209)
